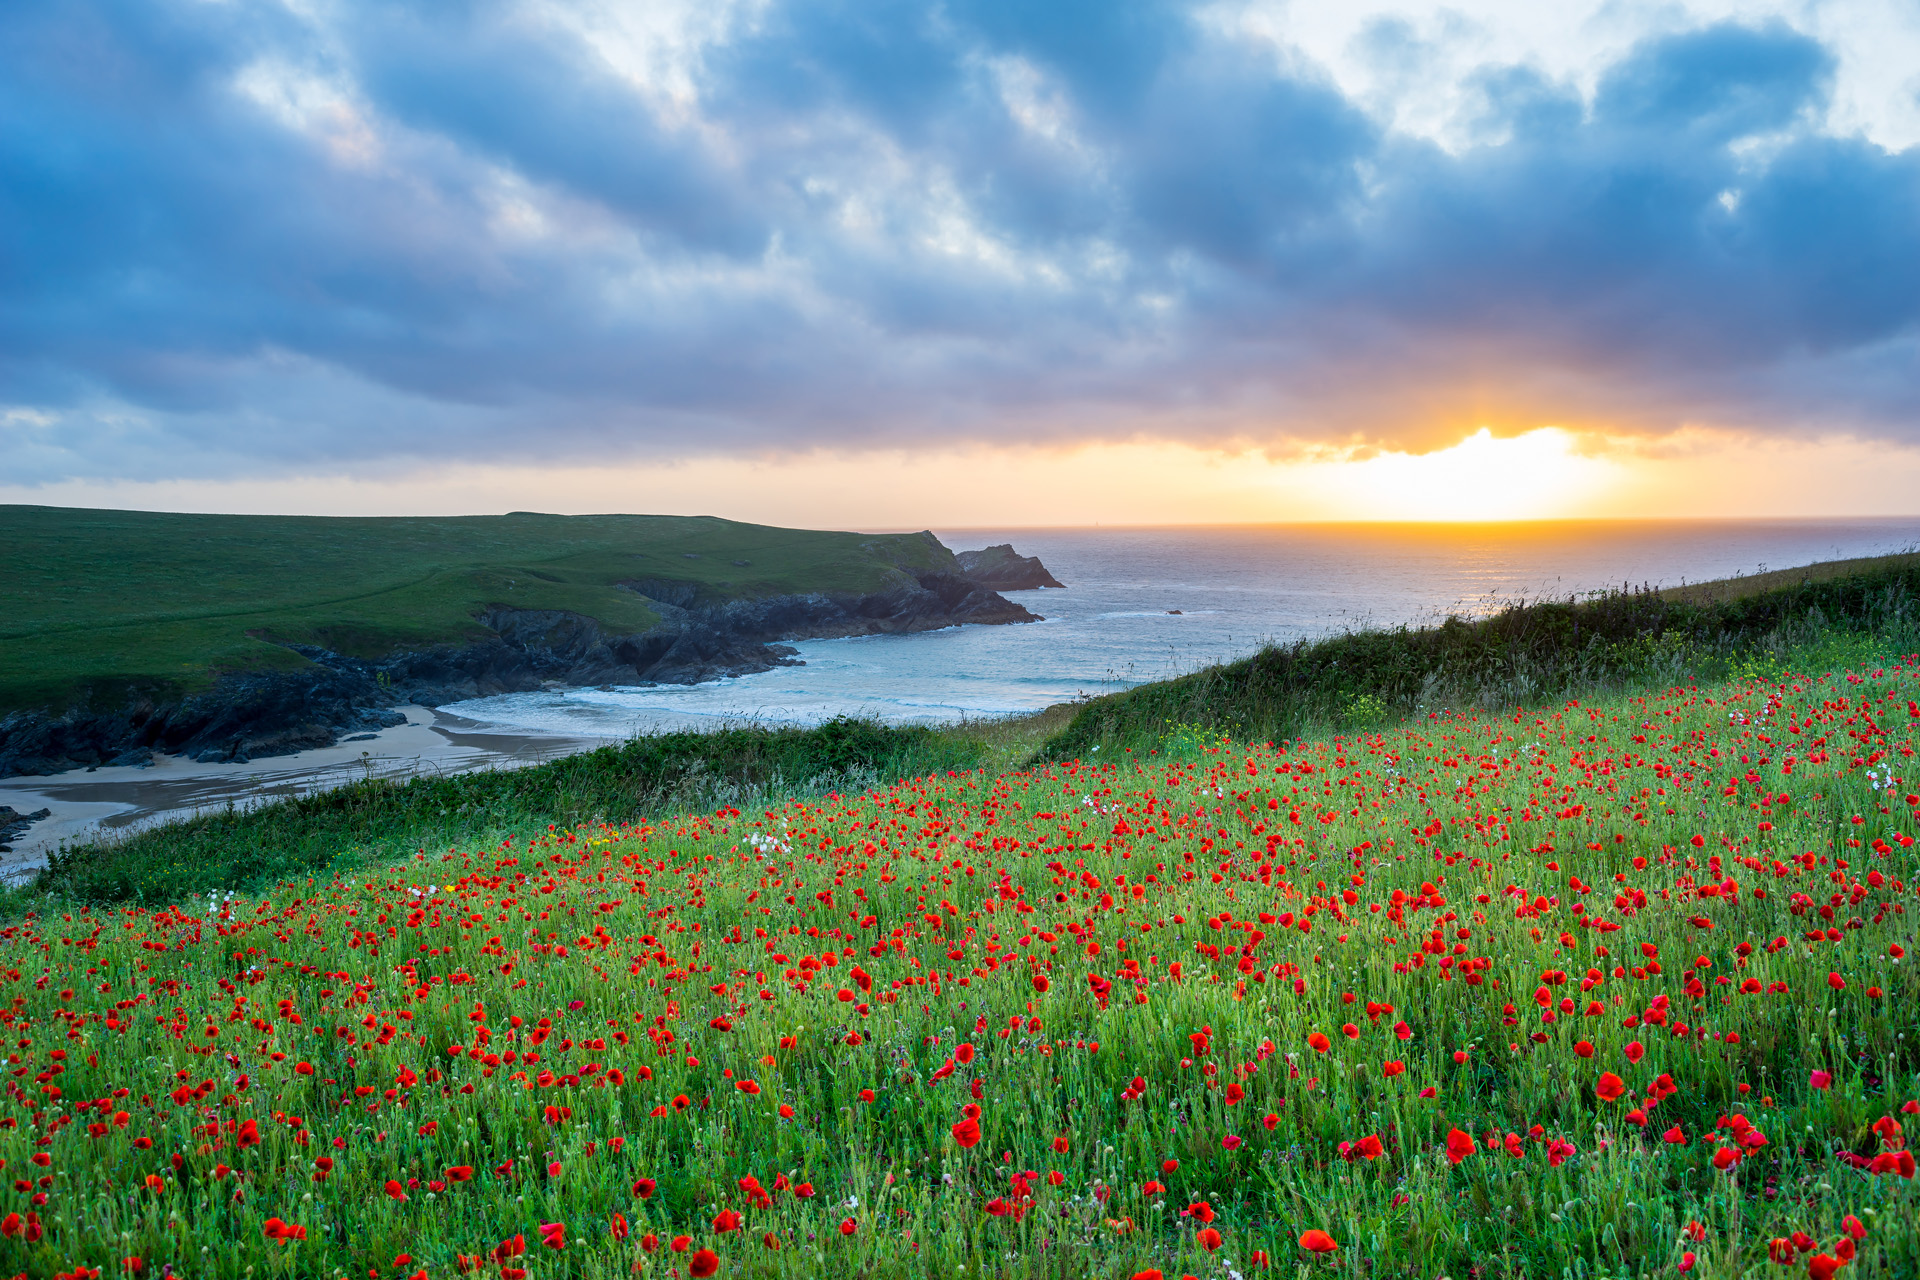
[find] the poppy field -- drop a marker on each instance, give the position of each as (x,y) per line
(1587,991)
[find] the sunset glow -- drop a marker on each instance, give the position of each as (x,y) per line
(1529,477)
(1539,475)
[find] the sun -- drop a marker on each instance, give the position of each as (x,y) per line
(1533,476)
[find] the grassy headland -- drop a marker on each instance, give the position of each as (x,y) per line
(103,606)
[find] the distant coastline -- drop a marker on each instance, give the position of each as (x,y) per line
(712,600)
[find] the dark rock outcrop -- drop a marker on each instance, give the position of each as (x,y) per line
(1002,568)
(268,713)
(926,602)
(14,824)
(698,638)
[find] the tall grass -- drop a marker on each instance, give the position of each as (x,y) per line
(1612,642)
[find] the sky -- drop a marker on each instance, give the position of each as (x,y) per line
(872,263)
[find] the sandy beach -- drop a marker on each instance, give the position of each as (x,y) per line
(88,802)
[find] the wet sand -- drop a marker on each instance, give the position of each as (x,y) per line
(86,803)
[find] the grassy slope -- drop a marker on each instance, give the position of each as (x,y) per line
(1382,947)
(101,604)
(1612,641)
(1177,855)
(1747,586)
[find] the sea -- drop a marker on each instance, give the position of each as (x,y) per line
(1147,603)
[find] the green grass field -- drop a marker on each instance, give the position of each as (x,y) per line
(1594,989)
(1613,984)
(103,605)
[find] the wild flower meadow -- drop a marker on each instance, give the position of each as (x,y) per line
(1613,989)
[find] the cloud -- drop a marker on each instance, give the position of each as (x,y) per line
(249,239)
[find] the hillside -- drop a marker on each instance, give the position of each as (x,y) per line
(255,635)
(1525,653)
(1621,981)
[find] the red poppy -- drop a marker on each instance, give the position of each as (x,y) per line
(1208,1238)
(1317,1241)
(1610,1087)
(703,1264)
(967,1132)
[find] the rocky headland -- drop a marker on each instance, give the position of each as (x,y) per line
(1004,569)
(700,636)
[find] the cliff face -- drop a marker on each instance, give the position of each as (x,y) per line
(277,713)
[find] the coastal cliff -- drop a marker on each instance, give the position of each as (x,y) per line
(701,635)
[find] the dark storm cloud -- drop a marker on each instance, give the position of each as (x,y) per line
(238,239)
